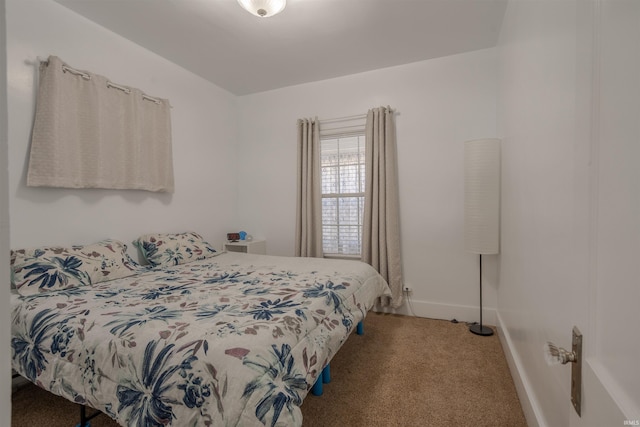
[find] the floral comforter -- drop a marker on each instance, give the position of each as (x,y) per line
(234,340)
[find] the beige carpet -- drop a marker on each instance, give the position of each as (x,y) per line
(403,371)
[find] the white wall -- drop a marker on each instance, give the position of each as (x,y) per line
(5,321)
(614,341)
(203,122)
(568,112)
(441,103)
(543,268)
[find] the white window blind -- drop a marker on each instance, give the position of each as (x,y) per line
(343,180)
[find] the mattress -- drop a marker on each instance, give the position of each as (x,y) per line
(233,340)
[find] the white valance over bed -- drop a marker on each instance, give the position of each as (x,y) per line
(92,133)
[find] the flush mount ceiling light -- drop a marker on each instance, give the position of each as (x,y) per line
(263,8)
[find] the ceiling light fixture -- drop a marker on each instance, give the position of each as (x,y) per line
(263,8)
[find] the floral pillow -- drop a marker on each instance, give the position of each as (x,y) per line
(173,249)
(45,269)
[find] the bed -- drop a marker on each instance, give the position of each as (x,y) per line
(229,340)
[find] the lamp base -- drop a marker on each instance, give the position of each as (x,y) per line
(478,329)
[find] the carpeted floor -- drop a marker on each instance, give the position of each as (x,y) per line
(404,371)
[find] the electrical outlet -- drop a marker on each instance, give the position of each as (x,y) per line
(406,290)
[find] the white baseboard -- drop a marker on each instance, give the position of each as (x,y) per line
(434,310)
(530,407)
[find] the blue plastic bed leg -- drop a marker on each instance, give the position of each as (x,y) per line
(87,424)
(360,328)
(326,374)
(317,387)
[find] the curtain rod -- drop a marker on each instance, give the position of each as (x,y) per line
(66,68)
(86,76)
(348,118)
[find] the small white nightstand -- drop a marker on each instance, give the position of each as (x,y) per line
(257,246)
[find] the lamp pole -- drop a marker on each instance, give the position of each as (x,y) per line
(476,328)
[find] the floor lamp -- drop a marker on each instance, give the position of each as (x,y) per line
(482,205)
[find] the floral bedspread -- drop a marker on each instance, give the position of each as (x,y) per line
(234,340)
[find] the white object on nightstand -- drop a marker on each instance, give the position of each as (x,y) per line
(257,246)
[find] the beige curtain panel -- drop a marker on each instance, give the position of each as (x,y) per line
(92,133)
(381,223)
(309,197)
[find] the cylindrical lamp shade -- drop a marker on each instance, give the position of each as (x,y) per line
(482,196)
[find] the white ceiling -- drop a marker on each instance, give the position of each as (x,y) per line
(310,40)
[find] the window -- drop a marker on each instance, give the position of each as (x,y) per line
(343,179)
